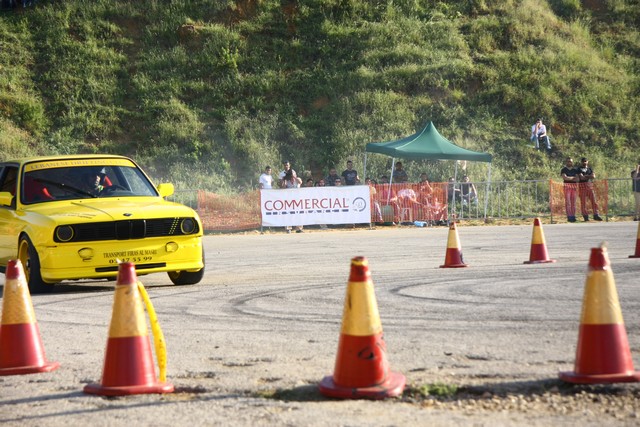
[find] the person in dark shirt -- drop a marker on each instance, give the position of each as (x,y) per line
(399,175)
(453,192)
(635,179)
(585,189)
(468,191)
(350,175)
(330,180)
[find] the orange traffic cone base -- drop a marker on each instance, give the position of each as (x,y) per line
(362,369)
(454,266)
(21,348)
(47,367)
(27,355)
(603,355)
(543,261)
(128,363)
(538,253)
(453,259)
(453,256)
(101,390)
(128,369)
(393,386)
(637,253)
(575,378)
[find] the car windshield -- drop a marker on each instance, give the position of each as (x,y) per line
(83,179)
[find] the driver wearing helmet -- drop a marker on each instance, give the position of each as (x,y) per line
(91,183)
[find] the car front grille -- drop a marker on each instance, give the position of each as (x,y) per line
(128,229)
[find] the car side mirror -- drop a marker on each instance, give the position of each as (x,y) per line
(165,189)
(6,198)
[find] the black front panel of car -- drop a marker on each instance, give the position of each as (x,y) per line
(126,230)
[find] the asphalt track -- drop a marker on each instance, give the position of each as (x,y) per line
(266,321)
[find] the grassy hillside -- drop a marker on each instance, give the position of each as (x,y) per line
(205,93)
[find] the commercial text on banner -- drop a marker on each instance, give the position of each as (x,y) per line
(315,205)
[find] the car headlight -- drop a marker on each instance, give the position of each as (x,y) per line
(64,233)
(188,226)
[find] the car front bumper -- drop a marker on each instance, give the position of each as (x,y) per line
(92,260)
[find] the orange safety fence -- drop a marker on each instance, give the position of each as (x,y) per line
(409,202)
(580,193)
(229,213)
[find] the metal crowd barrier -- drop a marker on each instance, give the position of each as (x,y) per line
(503,200)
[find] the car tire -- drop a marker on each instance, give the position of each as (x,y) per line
(187,277)
(30,260)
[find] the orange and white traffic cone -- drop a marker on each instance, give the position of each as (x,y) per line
(538,254)
(453,257)
(361,369)
(128,364)
(637,254)
(21,349)
(603,354)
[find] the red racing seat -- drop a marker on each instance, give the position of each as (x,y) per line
(35,191)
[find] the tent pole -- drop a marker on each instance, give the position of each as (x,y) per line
(364,177)
(452,203)
(487,193)
(364,173)
(393,163)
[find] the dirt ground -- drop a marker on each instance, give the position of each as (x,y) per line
(480,345)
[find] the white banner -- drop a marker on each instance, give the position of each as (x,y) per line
(315,205)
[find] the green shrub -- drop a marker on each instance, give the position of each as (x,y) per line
(229,86)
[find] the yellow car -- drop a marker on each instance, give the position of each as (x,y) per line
(78,216)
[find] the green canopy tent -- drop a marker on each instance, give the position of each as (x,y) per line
(428,144)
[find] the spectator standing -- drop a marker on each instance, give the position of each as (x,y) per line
(350,175)
(375,205)
(585,189)
(286,165)
(635,176)
(539,135)
(321,183)
(309,182)
(453,192)
(468,191)
(291,180)
(569,176)
(266,180)
(330,180)
(399,175)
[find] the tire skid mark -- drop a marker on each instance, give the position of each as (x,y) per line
(239,305)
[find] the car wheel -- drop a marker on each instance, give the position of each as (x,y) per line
(30,260)
(187,277)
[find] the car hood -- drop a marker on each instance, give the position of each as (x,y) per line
(111,209)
